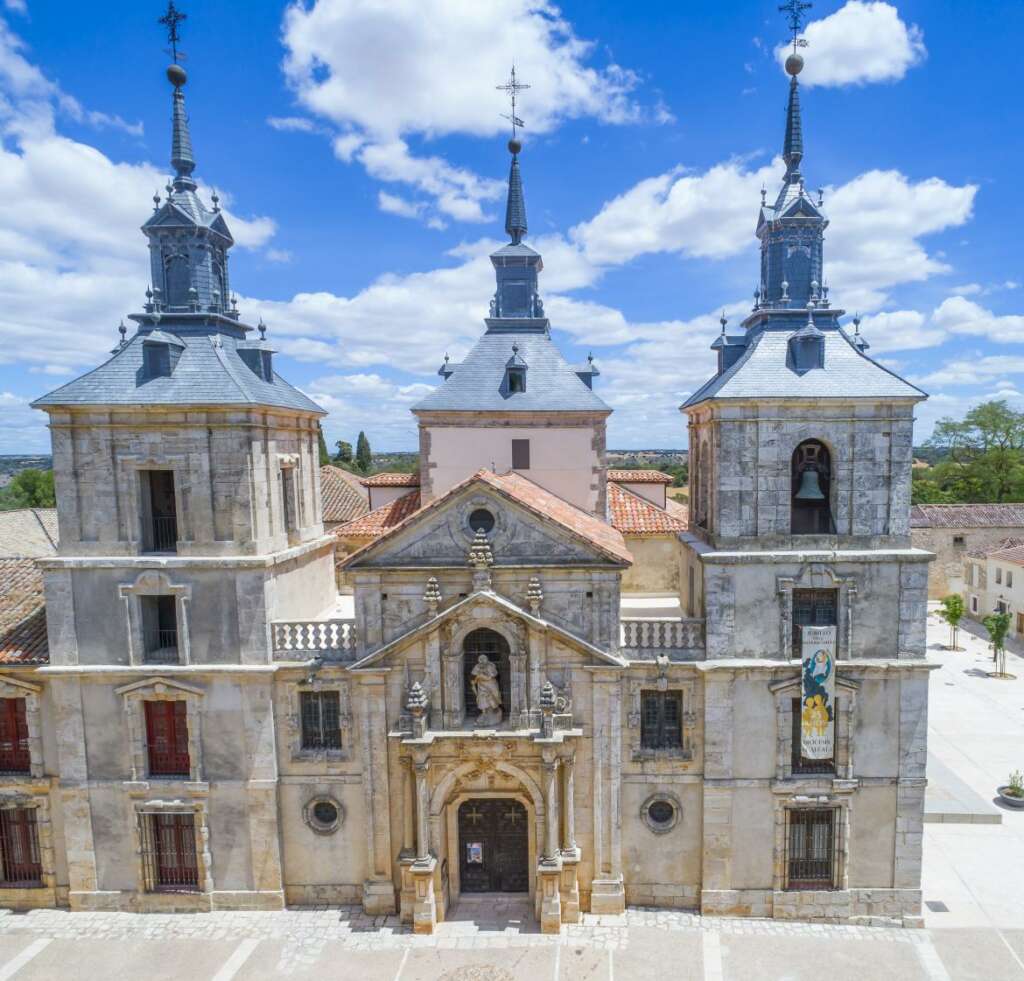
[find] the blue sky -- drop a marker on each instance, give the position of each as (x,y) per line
(359,149)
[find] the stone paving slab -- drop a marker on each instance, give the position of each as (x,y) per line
(949,800)
(307,960)
(975,955)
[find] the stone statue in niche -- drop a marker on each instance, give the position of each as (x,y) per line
(484,679)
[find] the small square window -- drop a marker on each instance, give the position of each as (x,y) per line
(661,720)
(321,725)
(520,454)
(959,541)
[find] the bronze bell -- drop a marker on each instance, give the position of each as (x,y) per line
(810,487)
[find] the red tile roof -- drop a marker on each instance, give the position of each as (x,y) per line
(342,495)
(1014,554)
(382,519)
(986,551)
(640,477)
(392,480)
(524,492)
(22,613)
(632,515)
(967,516)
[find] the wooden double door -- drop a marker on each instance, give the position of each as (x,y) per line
(494,846)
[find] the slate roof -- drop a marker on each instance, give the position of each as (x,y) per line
(762,372)
(380,520)
(392,480)
(28,533)
(640,476)
(342,499)
(209,372)
(477,383)
(967,516)
(599,534)
(22,613)
(632,515)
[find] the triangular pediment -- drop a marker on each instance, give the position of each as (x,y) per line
(440,535)
(801,207)
(484,609)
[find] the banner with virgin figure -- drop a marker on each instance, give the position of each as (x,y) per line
(818,693)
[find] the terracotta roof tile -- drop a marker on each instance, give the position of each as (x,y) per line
(989,551)
(343,498)
(22,613)
(967,516)
(1014,554)
(640,477)
(632,515)
(28,533)
(526,493)
(392,480)
(380,520)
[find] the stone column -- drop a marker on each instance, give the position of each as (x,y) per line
(570,887)
(608,894)
(424,909)
(549,872)
(408,853)
(717,893)
(910,792)
(451,666)
(518,714)
(378,889)
(433,678)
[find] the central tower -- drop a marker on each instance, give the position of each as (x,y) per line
(515,403)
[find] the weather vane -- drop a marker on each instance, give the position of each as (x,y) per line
(171,20)
(512,87)
(795,9)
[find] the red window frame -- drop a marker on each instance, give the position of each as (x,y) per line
(169,852)
(19,848)
(167,738)
(14,752)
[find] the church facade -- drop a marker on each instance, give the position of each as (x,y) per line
(209,724)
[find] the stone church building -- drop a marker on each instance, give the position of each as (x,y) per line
(205,723)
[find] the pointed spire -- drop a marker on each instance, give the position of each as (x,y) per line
(515,210)
(181,141)
(793,147)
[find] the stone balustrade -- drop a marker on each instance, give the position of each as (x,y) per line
(299,640)
(649,638)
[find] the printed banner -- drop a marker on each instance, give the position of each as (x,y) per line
(818,693)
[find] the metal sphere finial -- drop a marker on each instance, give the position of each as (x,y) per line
(514,146)
(794,64)
(176,75)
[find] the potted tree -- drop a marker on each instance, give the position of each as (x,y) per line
(952,611)
(1012,794)
(998,625)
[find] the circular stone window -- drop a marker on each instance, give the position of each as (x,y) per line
(481,520)
(324,815)
(660,813)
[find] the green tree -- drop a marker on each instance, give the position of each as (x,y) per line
(344,452)
(29,489)
(364,458)
(998,625)
(983,455)
(952,612)
(325,457)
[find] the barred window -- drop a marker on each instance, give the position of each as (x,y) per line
(14,753)
(811,859)
(813,608)
(321,725)
(661,720)
(799,763)
(19,848)
(169,861)
(167,738)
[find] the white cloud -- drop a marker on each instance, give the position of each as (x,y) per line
(17,6)
(444,61)
(393,204)
(21,428)
(958,315)
(975,370)
(282,256)
(864,41)
(293,124)
(900,330)
(967,289)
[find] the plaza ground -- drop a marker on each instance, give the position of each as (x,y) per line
(973,891)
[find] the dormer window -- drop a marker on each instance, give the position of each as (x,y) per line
(515,373)
(258,361)
(156,359)
(807,348)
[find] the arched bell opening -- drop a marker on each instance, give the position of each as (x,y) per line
(811,490)
(488,644)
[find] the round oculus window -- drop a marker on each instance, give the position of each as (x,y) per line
(324,815)
(481,520)
(660,813)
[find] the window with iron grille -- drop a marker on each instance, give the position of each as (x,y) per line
(159,629)
(19,848)
(811,858)
(167,738)
(661,719)
(14,752)
(813,608)
(169,861)
(321,725)
(799,763)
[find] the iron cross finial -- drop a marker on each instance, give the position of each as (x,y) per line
(512,87)
(171,20)
(795,9)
